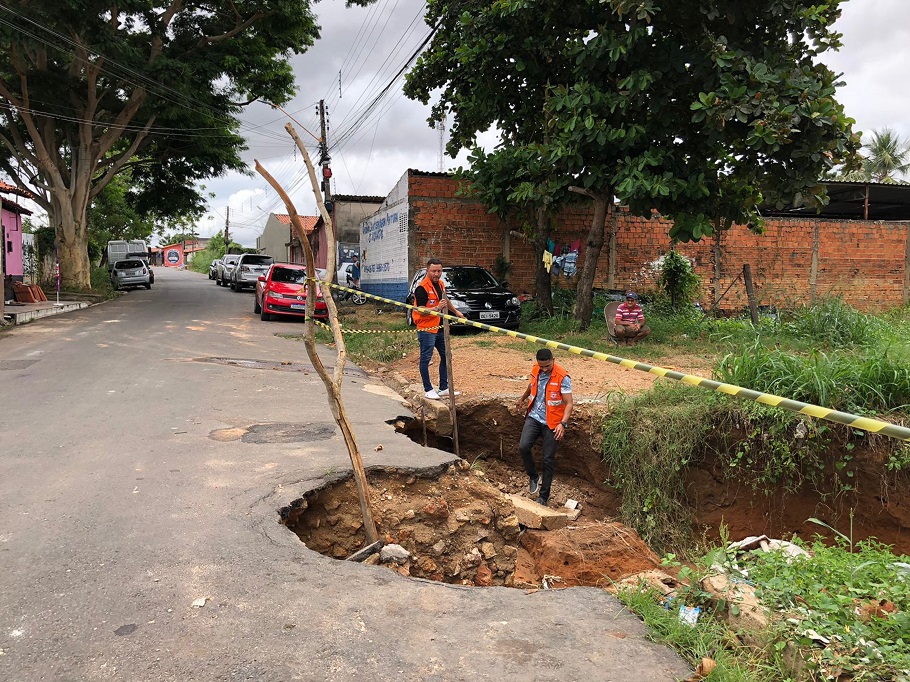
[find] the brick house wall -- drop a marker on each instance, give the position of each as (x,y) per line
(794,261)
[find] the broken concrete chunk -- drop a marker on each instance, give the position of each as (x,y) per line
(367,551)
(573,515)
(533,515)
(394,553)
(571,504)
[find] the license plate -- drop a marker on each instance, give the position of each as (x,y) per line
(490,316)
(298,306)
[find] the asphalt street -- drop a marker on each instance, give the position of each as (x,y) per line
(121,504)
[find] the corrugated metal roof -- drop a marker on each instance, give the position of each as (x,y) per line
(848,201)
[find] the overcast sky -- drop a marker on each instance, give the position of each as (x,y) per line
(368,46)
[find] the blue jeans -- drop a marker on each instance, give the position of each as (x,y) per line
(428,341)
(530,433)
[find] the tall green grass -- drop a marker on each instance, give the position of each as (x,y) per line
(852,382)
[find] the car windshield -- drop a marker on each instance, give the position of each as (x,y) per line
(258,260)
(289,275)
(230,260)
(127,264)
(468,278)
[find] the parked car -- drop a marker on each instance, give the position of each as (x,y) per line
(341,277)
(247,270)
(130,273)
(477,295)
(282,291)
(225,269)
(213,268)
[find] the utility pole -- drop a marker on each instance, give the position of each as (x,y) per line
(227,227)
(324,157)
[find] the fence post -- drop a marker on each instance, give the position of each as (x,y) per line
(750,292)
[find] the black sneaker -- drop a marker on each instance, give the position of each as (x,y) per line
(535,484)
(541,501)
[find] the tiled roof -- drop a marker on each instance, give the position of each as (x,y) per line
(309,221)
(4,187)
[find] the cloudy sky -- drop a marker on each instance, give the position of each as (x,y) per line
(375,145)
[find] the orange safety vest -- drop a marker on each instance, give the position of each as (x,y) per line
(555,405)
(424,321)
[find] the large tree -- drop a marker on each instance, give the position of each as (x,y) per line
(701,110)
(155,86)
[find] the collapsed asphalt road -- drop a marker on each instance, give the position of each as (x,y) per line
(122,508)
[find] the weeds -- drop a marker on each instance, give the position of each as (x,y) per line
(849,382)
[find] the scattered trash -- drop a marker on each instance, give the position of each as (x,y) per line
(766,544)
(199,603)
(378,448)
(549,580)
(689,614)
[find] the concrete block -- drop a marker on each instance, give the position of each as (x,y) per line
(533,515)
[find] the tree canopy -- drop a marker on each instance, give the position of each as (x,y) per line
(94,88)
(701,110)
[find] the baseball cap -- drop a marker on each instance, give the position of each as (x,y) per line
(631,294)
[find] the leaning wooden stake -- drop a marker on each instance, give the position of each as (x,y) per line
(450,379)
(332,383)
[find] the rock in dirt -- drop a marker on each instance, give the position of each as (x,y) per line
(655,579)
(484,576)
(595,555)
(394,554)
(436,510)
(744,613)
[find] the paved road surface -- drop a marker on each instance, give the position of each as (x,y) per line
(118,510)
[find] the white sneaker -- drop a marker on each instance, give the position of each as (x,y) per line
(444,393)
(431,395)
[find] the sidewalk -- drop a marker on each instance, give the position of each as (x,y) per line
(20,313)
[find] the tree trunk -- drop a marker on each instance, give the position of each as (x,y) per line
(72,240)
(542,283)
(584,293)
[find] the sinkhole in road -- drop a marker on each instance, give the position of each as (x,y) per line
(469,524)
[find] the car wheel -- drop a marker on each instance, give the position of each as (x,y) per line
(264,316)
(148,286)
(256,307)
(238,287)
(231,285)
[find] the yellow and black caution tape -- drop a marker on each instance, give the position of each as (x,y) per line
(863,423)
(370,331)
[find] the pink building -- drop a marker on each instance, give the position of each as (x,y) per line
(11,215)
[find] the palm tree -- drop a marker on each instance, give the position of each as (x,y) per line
(887,156)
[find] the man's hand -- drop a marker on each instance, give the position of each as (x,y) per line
(559,431)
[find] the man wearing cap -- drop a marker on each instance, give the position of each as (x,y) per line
(547,417)
(630,321)
(431,294)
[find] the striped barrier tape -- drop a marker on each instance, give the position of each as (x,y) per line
(878,426)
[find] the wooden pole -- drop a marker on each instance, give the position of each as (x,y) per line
(333,383)
(750,292)
(451,378)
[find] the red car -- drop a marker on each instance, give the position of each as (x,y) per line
(282,291)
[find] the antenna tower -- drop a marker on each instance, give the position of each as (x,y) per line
(441,127)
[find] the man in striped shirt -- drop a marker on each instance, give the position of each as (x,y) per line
(630,321)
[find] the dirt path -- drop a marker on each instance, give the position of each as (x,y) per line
(491,365)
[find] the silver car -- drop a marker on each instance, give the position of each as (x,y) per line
(247,270)
(130,273)
(225,268)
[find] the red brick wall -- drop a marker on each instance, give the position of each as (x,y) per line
(864,262)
